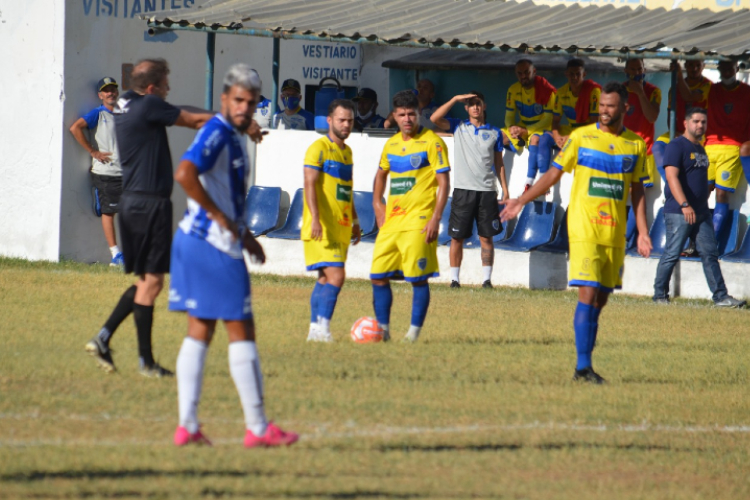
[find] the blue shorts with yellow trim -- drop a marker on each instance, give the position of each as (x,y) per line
(404,255)
(724,168)
(320,254)
(596,265)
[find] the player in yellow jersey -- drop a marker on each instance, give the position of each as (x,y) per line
(406,247)
(577,102)
(329,219)
(607,160)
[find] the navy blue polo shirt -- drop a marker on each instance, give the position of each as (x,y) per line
(692,163)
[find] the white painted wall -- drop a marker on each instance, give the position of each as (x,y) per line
(32,98)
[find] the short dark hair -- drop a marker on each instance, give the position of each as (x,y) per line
(693,111)
(405,99)
(148,72)
(616,88)
(525,60)
(478,94)
(576,63)
(340,103)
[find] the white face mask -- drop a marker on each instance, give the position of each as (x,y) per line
(367,116)
(729,81)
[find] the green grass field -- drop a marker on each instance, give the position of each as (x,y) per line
(481,407)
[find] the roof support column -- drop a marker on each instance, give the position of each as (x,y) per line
(673,103)
(210,55)
(276,65)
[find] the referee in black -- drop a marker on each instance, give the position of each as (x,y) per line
(141,118)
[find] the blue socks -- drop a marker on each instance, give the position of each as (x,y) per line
(658,150)
(585,324)
(327,301)
(720,213)
(533,160)
(315,302)
(544,154)
(382,299)
(419,304)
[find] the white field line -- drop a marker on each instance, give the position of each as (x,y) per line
(349,431)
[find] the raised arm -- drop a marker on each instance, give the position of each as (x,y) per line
(192,117)
(438,117)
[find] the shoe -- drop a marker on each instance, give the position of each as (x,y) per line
(690,251)
(117,260)
(95,205)
(155,371)
(386,335)
(102,353)
(660,300)
(312,335)
(182,437)
(455,284)
(487,284)
(588,375)
(730,302)
(273,437)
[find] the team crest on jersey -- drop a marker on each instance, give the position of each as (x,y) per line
(422,264)
(485,136)
(263,111)
(538,108)
(415,161)
(728,107)
(611,147)
(627,163)
(496,224)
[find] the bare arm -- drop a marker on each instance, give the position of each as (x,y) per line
(311,198)
(678,194)
(195,118)
(77,130)
(438,117)
(187,176)
(559,138)
(432,227)
(500,173)
(650,109)
(513,206)
(682,86)
(356,228)
(378,189)
(639,207)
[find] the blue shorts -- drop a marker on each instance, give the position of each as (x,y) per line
(206,282)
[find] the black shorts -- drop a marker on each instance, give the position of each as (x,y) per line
(109,189)
(145,233)
(469,206)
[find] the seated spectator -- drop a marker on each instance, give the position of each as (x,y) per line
(293,117)
(367,106)
(577,102)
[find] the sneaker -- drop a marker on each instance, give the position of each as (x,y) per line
(660,300)
(588,375)
(730,302)
(690,251)
(312,335)
(273,437)
(387,335)
(455,284)
(182,437)
(117,260)
(487,284)
(102,353)
(155,371)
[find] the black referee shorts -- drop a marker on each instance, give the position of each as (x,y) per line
(145,233)
(469,206)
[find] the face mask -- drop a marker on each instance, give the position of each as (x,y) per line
(729,81)
(638,78)
(290,102)
(366,116)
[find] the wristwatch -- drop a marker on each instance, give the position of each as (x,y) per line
(685,204)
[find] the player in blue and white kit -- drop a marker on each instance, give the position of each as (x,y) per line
(209,278)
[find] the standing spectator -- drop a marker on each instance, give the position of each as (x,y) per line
(686,210)
(644,100)
(529,107)
(367,107)
(106,173)
(141,120)
(728,127)
(293,117)
(478,160)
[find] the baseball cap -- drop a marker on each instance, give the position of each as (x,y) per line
(107,80)
(365,93)
(291,84)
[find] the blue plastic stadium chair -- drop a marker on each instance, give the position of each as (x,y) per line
(443,238)
(743,253)
(291,228)
(560,243)
(728,236)
(363,205)
(658,234)
(534,228)
(262,209)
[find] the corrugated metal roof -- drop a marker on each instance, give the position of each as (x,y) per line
(489,24)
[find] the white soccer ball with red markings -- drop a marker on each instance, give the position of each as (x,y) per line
(366,330)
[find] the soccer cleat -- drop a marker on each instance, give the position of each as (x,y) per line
(487,284)
(455,284)
(102,353)
(386,335)
(117,260)
(155,371)
(588,375)
(182,437)
(730,302)
(312,335)
(274,436)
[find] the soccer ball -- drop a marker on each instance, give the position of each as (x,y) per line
(366,331)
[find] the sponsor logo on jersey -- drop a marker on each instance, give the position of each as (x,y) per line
(397,211)
(603,187)
(402,185)
(439,153)
(603,217)
(343,193)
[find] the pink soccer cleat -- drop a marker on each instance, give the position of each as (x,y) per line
(273,437)
(182,437)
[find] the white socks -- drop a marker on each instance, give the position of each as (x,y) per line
(454,273)
(486,273)
(413,334)
(190,363)
(244,365)
(324,325)
(114,250)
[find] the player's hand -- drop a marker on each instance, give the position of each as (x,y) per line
(675,66)
(249,243)
(689,214)
(634,86)
(515,131)
(512,209)
(644,245)
(101,156)
(226,223)
(356,234)
(316,232)
(506,197)
(463,97)
(255,132)
(431,230)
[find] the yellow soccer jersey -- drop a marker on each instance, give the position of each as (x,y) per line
(522,109)
(412,166)
(604,166)
(565,108)
(334,190)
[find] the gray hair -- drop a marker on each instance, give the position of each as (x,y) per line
(243,75)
